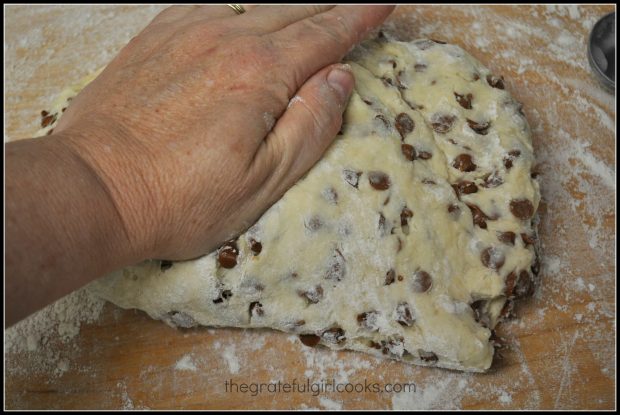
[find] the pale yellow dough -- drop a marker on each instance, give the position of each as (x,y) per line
(326,232)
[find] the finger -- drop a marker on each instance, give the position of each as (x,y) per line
(209,11)
(194,12)
(168,22)
(305,130)
(315,42)
(266,19)
(173,13)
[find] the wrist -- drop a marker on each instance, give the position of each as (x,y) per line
(62,228)
(115,202)
(121,169)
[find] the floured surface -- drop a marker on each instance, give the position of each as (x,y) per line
(562,351)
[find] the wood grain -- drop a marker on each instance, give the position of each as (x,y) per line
(560,351)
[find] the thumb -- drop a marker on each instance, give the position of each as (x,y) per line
(307,127)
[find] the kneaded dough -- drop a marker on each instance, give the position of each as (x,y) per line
(405,241)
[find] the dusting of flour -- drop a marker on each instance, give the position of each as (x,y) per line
(37,336)
(186,363)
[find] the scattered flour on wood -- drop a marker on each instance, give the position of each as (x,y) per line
(330,404)
(36,338)
(444,391)
(127,402)
(505,398)
(231,359)
(186,363)
(321,363)
(86,37)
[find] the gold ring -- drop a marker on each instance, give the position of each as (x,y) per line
(237,8)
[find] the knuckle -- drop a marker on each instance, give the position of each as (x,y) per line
(268,49)
(274,160)
(203,31)
(253,54)
(260,60)
(171,13)
(165,14)
(334,27)
(314,9)
(320,116)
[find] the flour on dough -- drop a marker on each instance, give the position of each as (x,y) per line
(405,241)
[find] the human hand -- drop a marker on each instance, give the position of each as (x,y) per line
(192,129)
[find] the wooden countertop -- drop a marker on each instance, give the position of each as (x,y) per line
(561,352)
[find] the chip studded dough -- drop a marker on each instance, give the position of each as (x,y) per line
(404,241)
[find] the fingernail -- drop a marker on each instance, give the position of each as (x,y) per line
(340,78)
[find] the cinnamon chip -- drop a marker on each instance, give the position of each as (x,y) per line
(331,195)
(334,335)
(255,246)
(528,239)
(521,208)
(313,295)
(48,119)
(492,180)
(427,356)
(492,258)
(495,82)
(368,320)
(464,187)
(384,120)
(165,265)
(408,151)
(227,255)
(422,282)
(404,124)
(256,309)
(424,155)
(379,180)
(511,279)
(463,162)
(352,177)
(464,100)
(454,210)
(508,160)
(481,315)
(336,268)
(384,228)
(525,285)
(479,217)
(224,295)
(313,223)
(405,215)
(442,123)
(309,340)
(393,347)
(506,237)
(403,315)
(481,128)
(424,44)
